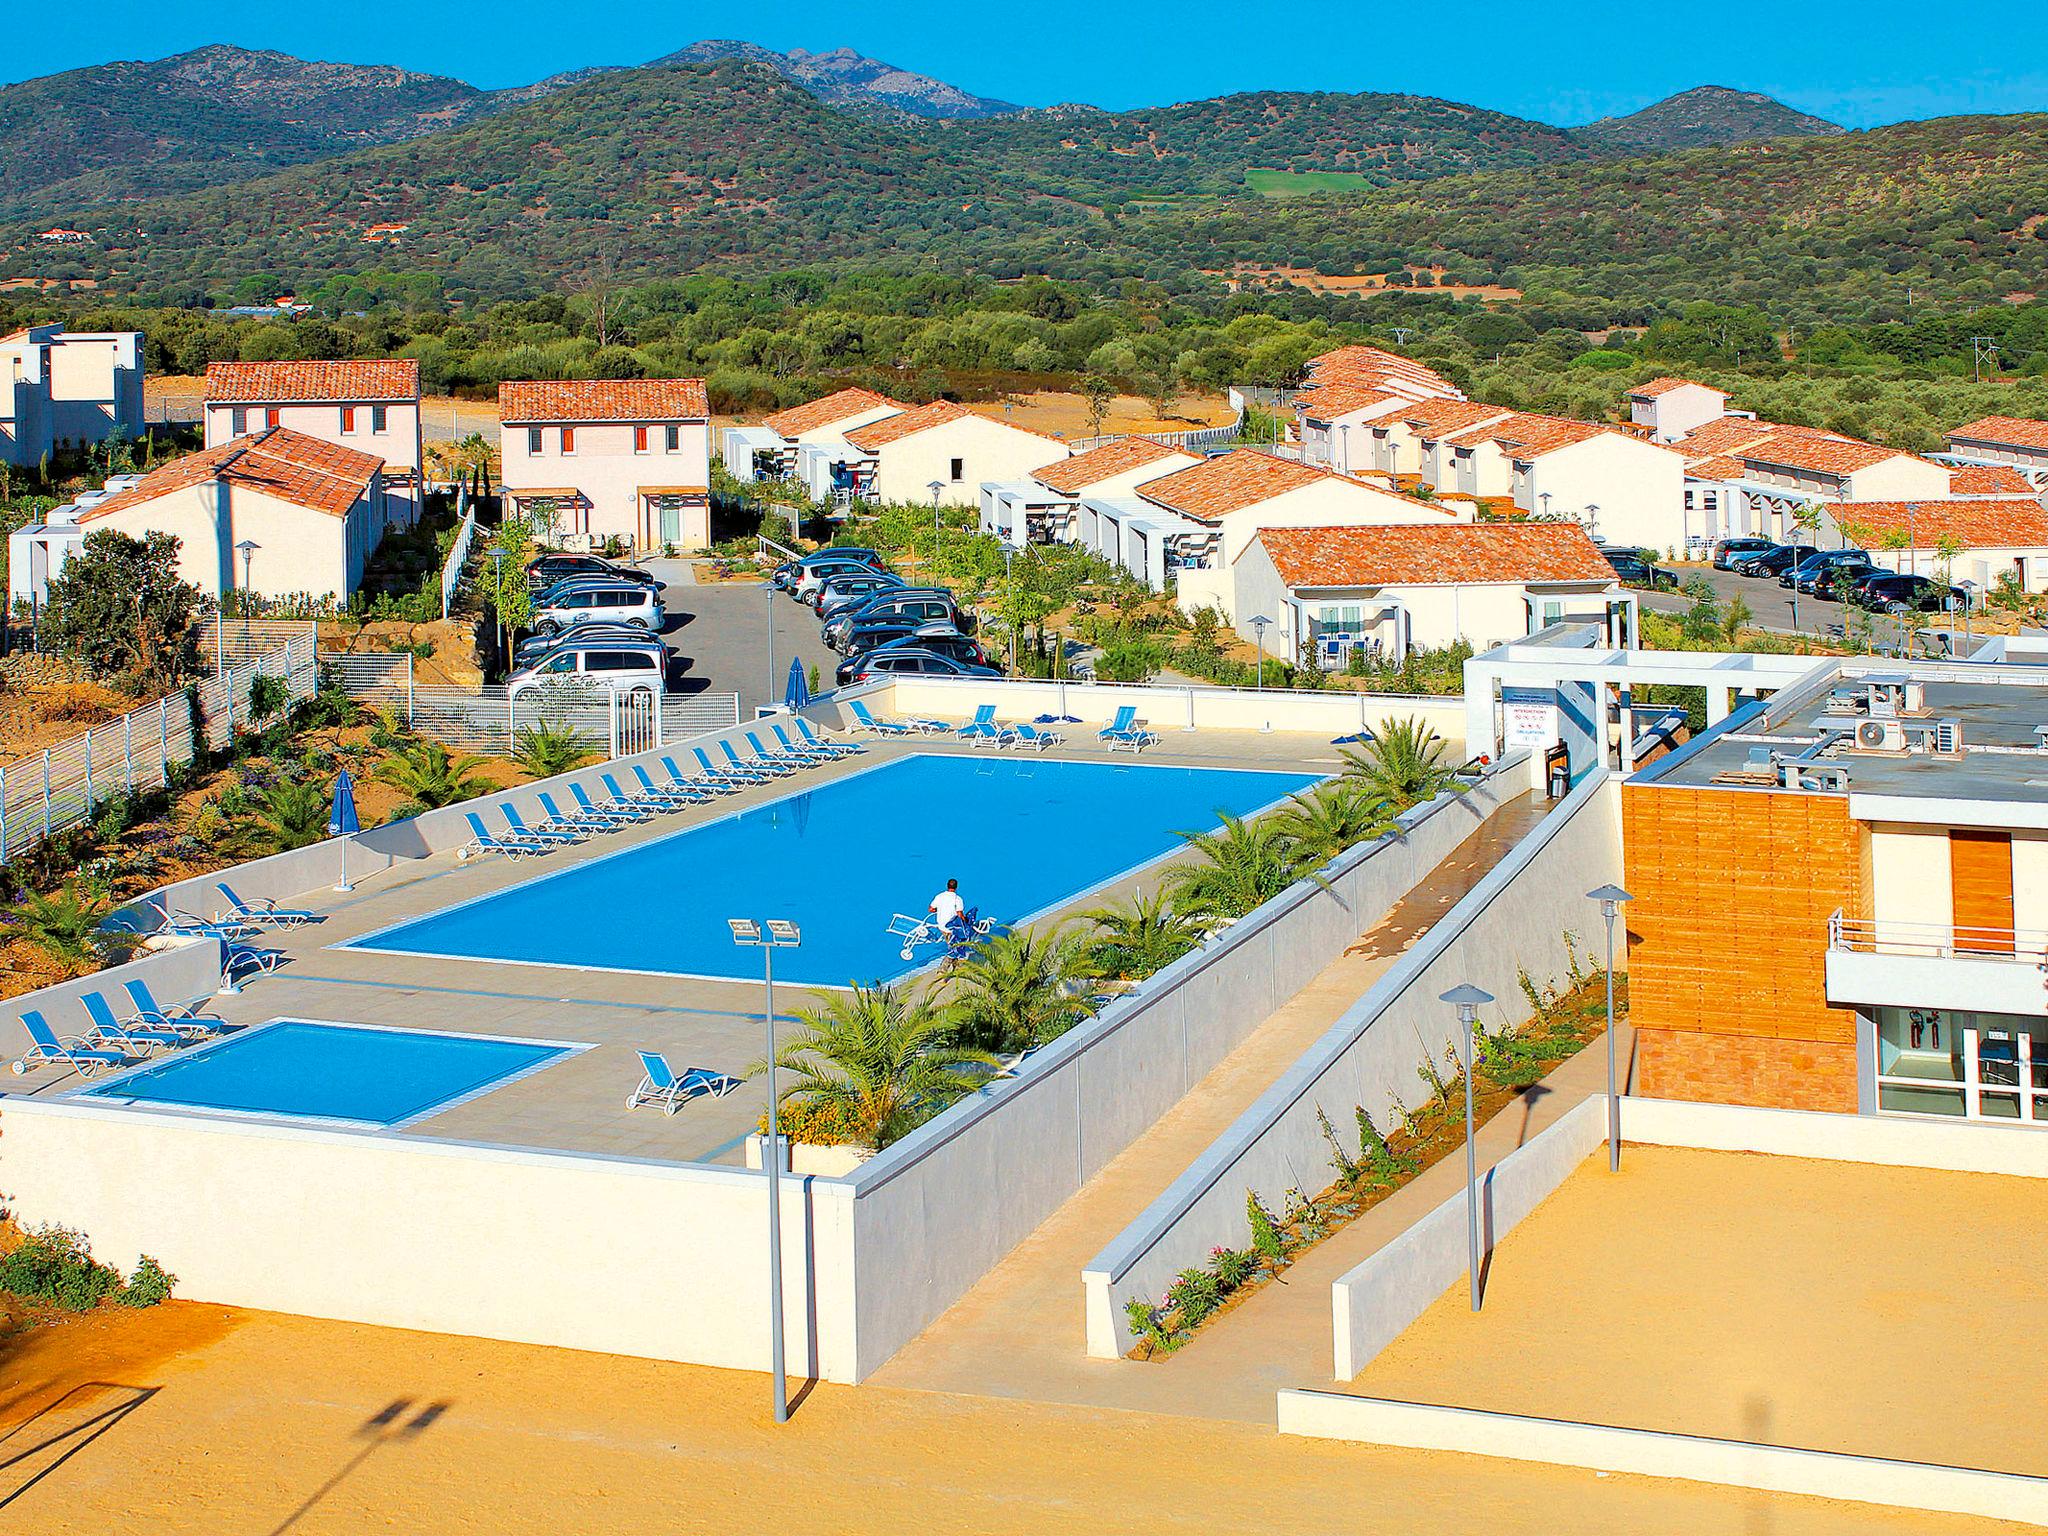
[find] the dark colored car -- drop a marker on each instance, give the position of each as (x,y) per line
(543,571)
(949,644)
(898,660)
(891,616)
(1730,553)
(1635,569)
(850,591)
(1824,566)
(1776,560)
(1908,594)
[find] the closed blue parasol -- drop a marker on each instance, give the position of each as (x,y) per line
(342,821)
(798,695)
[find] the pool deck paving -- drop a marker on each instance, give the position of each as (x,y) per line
(1020,1332)
(579,1103)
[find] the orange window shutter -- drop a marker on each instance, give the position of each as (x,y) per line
(568,439)
(639,439)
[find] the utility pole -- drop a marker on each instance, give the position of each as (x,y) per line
(1982,347)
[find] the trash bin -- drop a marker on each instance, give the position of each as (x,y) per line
(1557,771)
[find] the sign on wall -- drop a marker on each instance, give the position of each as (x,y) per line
(1528,717)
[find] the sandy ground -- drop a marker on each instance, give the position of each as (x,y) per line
(1067,414)
(1813,1304)
(204,1420)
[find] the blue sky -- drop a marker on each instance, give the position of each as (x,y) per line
(1877,62)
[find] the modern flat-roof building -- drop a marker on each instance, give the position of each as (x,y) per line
(1668,408)
(368,406)
(610,459)
(65,389)
(1841,898)
(1044,507)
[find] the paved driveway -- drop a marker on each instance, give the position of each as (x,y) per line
(1775,607)
(721,633)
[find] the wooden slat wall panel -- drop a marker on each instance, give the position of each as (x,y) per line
(1980,884)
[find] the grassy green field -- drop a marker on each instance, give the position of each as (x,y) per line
(1306,183)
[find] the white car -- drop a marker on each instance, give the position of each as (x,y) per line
(612,665)
(613,602)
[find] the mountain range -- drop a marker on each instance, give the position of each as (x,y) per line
(220,115)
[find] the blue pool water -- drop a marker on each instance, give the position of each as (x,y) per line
(330,1072)
(1021,836)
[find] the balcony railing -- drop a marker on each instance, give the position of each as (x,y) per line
(1937,941)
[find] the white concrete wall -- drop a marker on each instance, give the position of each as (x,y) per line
(610,473)
(987,450)
(634,1258)
(182,973)
(1902,478)
(1909,876)
(1676,412)
(1512,922)
(398,445)
(1638,487)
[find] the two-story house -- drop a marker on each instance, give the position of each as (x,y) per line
(948,446)
(65,389)
(597,460)
(369,406)
(1668,408)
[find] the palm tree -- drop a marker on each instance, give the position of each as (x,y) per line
(290,814)
(63,924)
(1143,935)
(1012,993)
(1404,765)
(430,778)
(1241,867)
(885,1062)
(545,749)
(1332,818)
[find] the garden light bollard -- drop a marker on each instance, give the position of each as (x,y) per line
(1610,898)
(1468,1000)
(776,933)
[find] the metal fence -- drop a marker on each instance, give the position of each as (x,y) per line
(1193,441)
(458,554)
(67,785)
(489,720)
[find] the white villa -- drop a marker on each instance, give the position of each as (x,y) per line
(602,459)
(1045,506)
(1393,589)
(367,406)
(1398,439)
(276,513)
(1995,536)
(62,389)
(949,446)
(1669,408)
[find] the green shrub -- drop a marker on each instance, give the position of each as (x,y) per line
(268,695)
(150,1284)
(1233,1266)
(1194,1294)
(55,1264)
(1266,1239)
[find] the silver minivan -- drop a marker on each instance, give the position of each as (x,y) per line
(613,665)
(615,602)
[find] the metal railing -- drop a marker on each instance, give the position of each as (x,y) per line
(1937,941)
(489,720)
(458,553)
(1195,439)
(66,785)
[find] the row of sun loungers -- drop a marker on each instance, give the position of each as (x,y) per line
(111,1041)
(984,730)
(648,796)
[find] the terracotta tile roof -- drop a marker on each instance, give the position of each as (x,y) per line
(1526,435)
(1731,434)
(1431,417)
(286,383)
(1719,467)
(1230,482)
(1362,364)
(1989,480)
(1975,523)
(2021,431)
(1434,554)
(1070,476)
(1665,385)
(1341,399)
(276,461)
(532,400)
(840,405)
(1819,455)
(922,419)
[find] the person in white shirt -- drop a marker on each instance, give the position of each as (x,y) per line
(947,908)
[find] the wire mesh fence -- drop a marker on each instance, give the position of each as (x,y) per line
(65,785)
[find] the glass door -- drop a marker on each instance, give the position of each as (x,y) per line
(1975,1066)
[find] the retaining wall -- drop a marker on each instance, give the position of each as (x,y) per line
(181,973)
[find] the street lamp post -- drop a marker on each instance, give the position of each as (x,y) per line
(1610,898)
(1544,497)
(1344,431)
(768,697)
(1468,1000)
(1259,627)
(1593,520)
(498,598)
(779,934)
(936,487)
(1010,588)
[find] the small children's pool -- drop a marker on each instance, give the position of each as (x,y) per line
(362,1074)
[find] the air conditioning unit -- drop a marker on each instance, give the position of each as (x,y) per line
(1947,738)
(1880,736)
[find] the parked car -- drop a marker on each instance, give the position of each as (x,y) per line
(785,575)
(615,665)
(1776,560)
(847,591)
(1823,565)
(566,606)
(1909,594)
(543,571)
(535,646)
(1635,569)
(891,615)
(1730,553)
(805,584)
(898,660)
(942,640)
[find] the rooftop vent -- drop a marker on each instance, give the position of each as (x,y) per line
(1813,776)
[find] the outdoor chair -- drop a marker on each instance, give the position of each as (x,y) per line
(135,1036)
(184,1016)
(737,776)
(832,744)
(45,1049)
(611,808)
(582,821)
(482,840)
(262,912)
(661,1087)
(983,726)
(519,828)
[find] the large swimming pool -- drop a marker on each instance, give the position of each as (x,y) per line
(1022,836)
(358,1073)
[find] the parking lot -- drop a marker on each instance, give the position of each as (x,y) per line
(1775,607)
(720,633)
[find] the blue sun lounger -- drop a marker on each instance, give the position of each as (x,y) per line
(668,1091)
(621,796)
(983,727)
(45,1049)
(810,753)
(703,784)
(1125,731)
(134,1035)
(617,810)
(483,840)
(580,821)
(784,757)
(754,764)
(905,726)
(738,775)
(185,1016)
(837,746)
(267,913)
(668,794)
(519,828)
